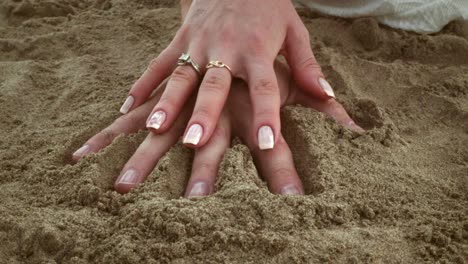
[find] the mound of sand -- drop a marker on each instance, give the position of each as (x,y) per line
(397,194)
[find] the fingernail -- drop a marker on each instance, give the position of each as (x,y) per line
(326,87)
(129,177)
(353,126)
(193,135)
(290,190)
(127,104)
(156,120)
(198,189)
(266,140)
(85,149)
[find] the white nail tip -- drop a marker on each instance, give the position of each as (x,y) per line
(193,135)
(127,105)
(290,190)
(130,176)
(326,87)
(157,119)
(82,151)
(266,140)
(198,189)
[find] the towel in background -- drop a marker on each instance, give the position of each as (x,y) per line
(422,16)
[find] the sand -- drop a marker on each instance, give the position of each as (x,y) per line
(397,194)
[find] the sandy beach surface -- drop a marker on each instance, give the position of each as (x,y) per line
(397,194)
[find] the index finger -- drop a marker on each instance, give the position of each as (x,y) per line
(158,69)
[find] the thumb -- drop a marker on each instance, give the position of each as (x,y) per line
(305,70)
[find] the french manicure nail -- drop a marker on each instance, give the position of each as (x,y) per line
(198,189)
(156,120)
(193,135)
(326,87)
(127,105)
(266,140)
(129,177)
(290,190)
(85,149)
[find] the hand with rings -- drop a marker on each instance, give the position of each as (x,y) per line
(275,166)
(221,40)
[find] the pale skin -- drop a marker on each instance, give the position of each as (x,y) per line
(246,35)
(276,165)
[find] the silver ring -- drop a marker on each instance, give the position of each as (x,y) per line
(185,59)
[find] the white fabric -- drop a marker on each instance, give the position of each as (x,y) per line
(422,16)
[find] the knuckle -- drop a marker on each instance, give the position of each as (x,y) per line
(257,43)
(227,36)
(214,80)
(203,112)
(267,116)
(108,135)
(181,35)
(202,34)
(128,119)
(167,103)
(310,64)
(257,37)
(282,173)
(264,87)
(154,63)
(214,84)
(181,74)
(265,113)
(207,167)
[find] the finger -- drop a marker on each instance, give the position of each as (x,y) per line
(265,98)
(206,162)
(126,124)
(277,168)
(331,107)
(210,102)
(145,158)
(158,69)
(334,109)
(180,86)
(305,69)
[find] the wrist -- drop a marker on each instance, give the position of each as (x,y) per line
(185,4)
(184,7)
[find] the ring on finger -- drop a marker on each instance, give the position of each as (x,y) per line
(185,59)
(218,64)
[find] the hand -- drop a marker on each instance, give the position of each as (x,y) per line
(247,36)
(276,166)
